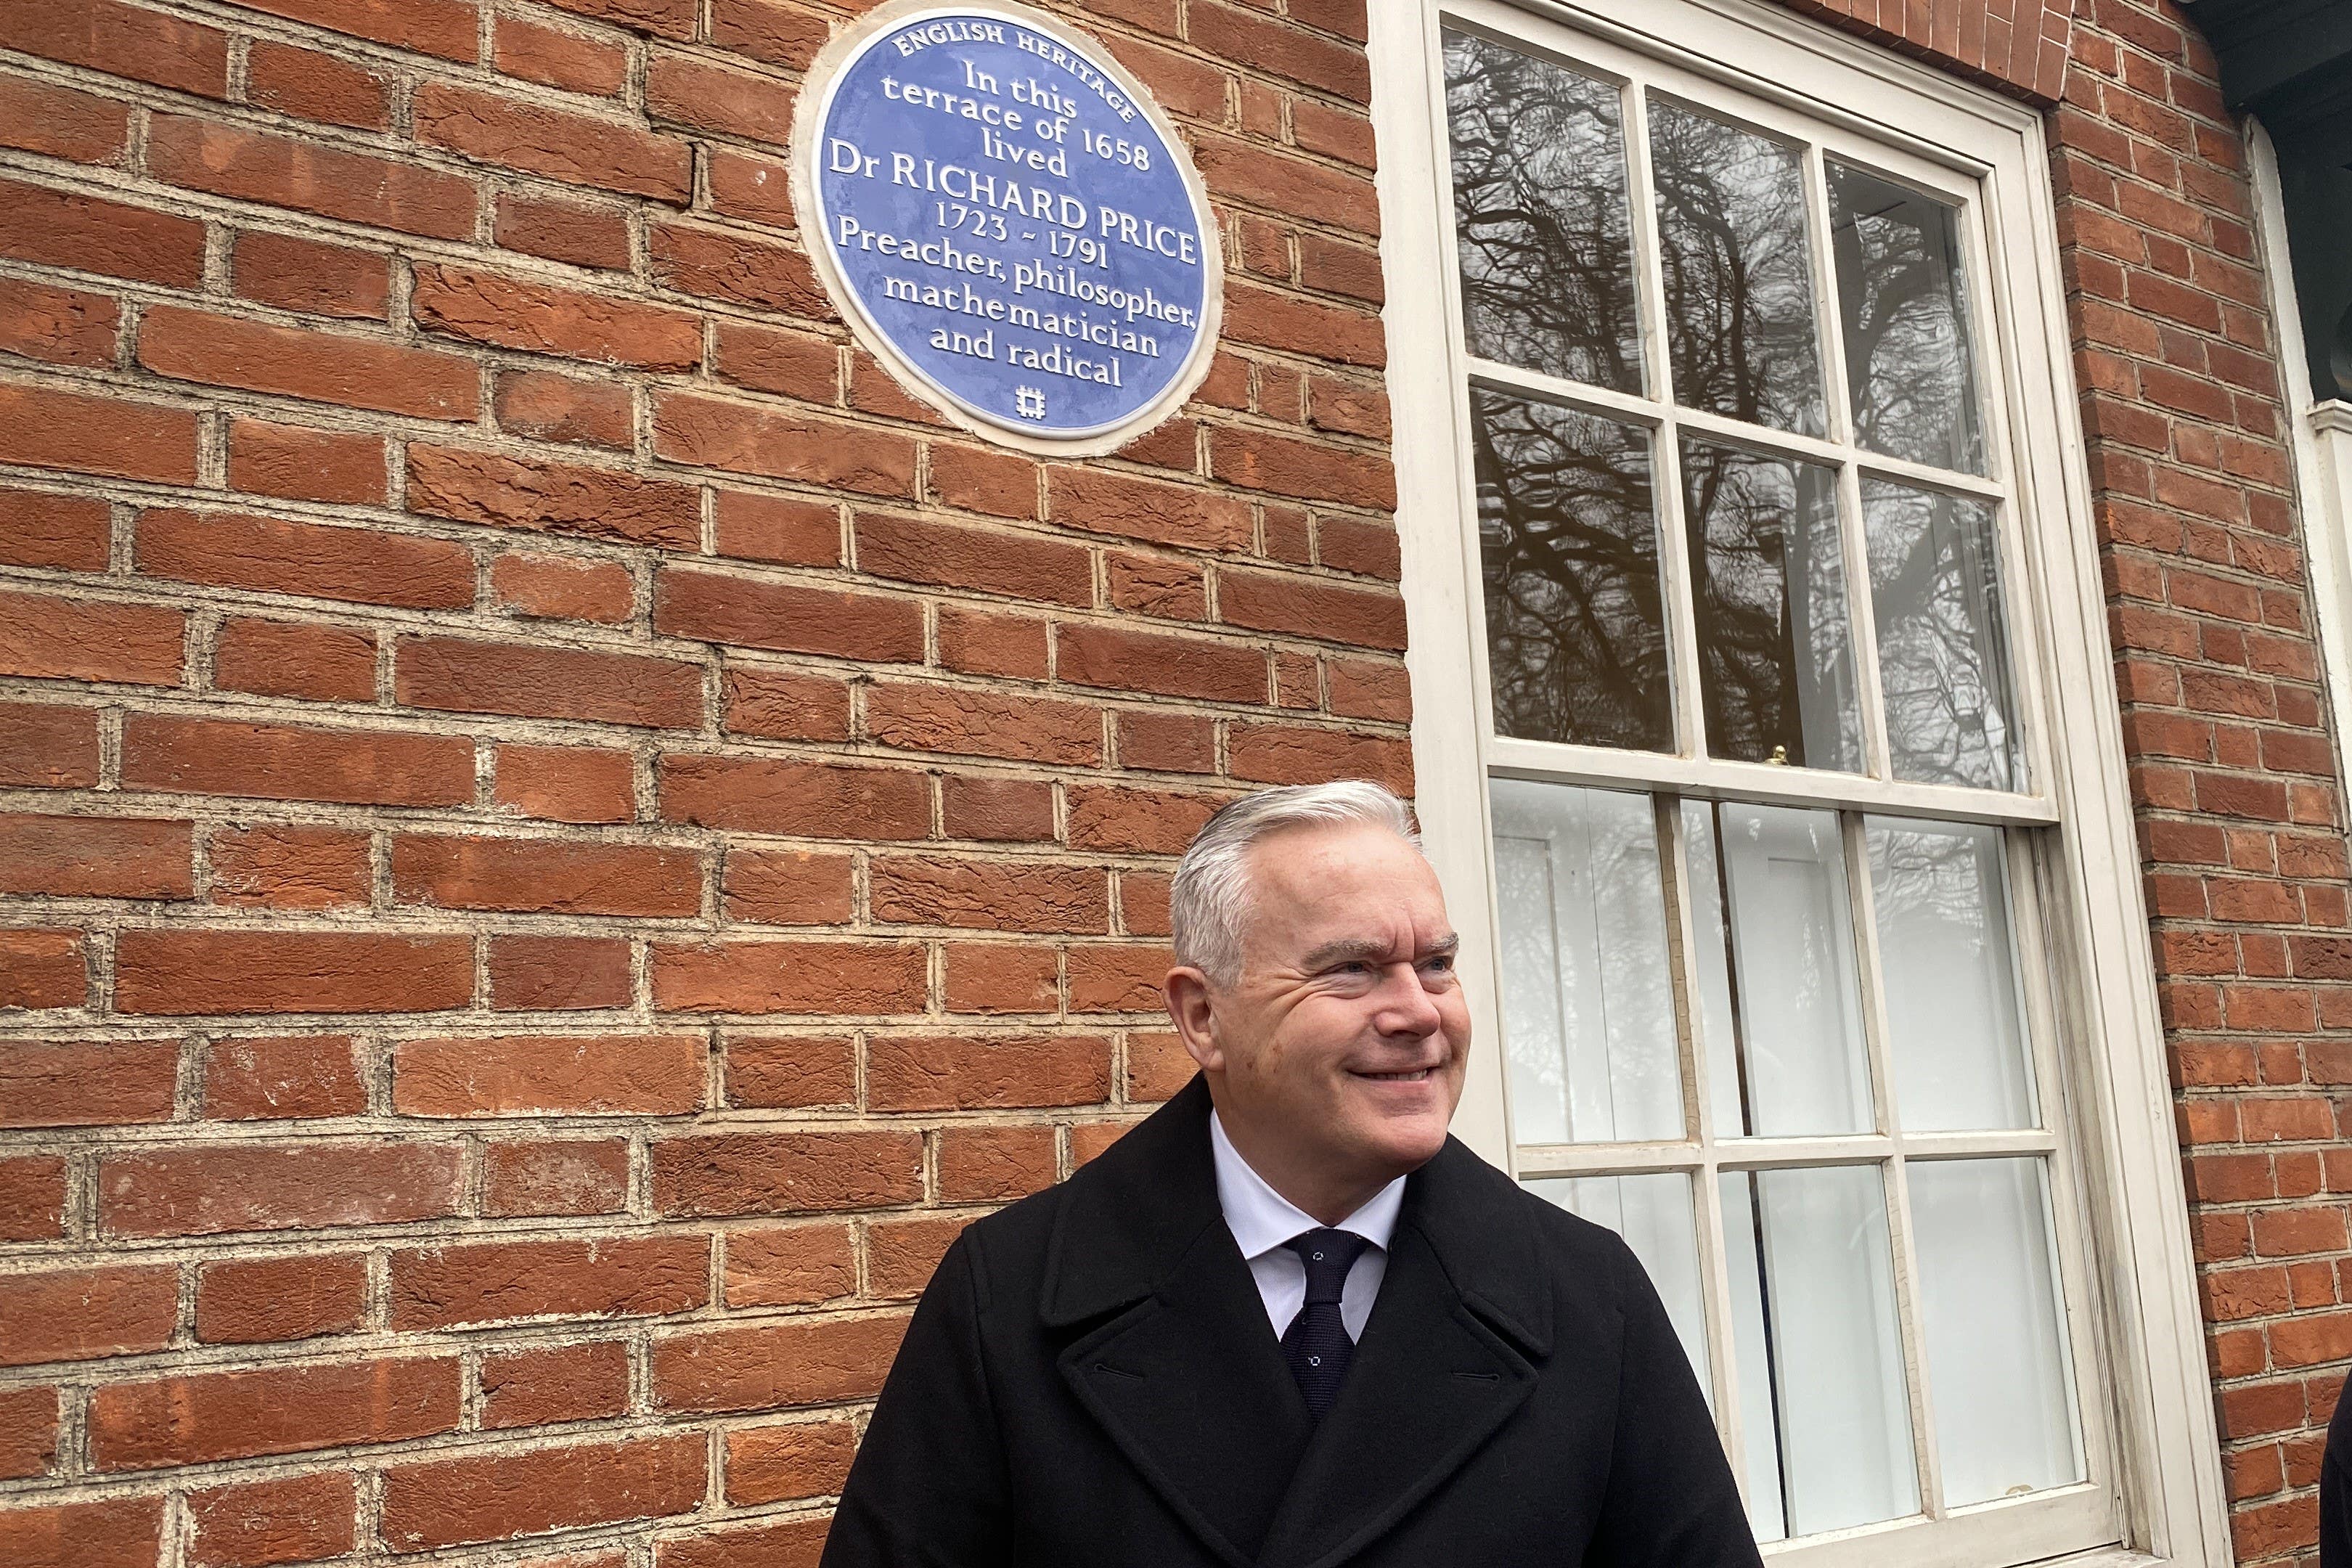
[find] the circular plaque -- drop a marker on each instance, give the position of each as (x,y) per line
(1009,224)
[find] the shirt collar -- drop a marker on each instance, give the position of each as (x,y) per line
(1263,1219)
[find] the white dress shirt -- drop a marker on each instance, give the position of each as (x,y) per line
(1263,1219)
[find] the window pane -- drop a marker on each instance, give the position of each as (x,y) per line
(1738,276)
(1826,1417)
(1775,937)
(1943,655)
(1654,1215)
(1989,1305)
(1904,309)
(1588,1000)
(1576,630)
(1541,215)
(1954,1022)
(1776,648)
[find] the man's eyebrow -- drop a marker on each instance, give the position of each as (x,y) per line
(1346,948)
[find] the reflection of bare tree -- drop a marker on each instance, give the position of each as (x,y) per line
(1943,657)
(1541,215)
(1739,295)
(1575,626)
(1945,879)
(1907,328)
(1775,647)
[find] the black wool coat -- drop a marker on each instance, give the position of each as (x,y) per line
(1091,1382)
(2335,1487)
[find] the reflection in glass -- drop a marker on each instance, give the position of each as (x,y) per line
(1654,1215)
(1955,1027)
(1825,1415)
(1904,309)
(1776,648)
(1576,630)
(1996,1347)
(1943,653)
(1541,215)
(1738,276)
(1588,1002)
(1779,1004)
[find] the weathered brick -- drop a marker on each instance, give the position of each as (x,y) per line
(545,876)
(60,228)
(854,977)
(199,1191)
(117,1533)
(260,1523)
(785,1173)
(567,1383)
(96,857)
(446,1287)
(204,1416)
(349,371)
(304,275)
(518,313)
(560,497)
(527,680)
(82,1313)
(85,1083)
(605,153)
(784,1361)
(256,1300)
(272,555)
(51,638)
(308,176)
(284,763)
(509,1075)
(290,868)
(43,428)
(813,798)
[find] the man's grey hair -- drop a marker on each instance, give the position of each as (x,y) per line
(1211,895)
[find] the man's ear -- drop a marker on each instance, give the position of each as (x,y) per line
(1191,1007)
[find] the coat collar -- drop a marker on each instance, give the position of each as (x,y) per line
(1134,1213)
(1186,1376)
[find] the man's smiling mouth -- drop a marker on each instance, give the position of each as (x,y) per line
(1414,1076)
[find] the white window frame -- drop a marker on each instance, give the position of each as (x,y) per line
(2157,1463)
(2321,436)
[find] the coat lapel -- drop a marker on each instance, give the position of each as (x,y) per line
(1446,1357)
(1175,1355)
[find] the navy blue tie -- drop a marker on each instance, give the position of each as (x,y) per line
(1317,1344)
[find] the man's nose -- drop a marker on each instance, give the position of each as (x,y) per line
(1406,1005)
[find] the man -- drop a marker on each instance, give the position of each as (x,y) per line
(1287,1321)
(2335,1487)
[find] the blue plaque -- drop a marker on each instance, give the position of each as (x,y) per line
(1009,223)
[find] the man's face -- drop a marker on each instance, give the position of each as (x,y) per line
(1343,1044)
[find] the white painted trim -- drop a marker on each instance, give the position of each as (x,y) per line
(2320,435)
(2159,1448)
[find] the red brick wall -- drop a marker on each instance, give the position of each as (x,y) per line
(558,832)
(2233,769)
(2017,46)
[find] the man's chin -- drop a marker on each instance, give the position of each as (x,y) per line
(1408,1132)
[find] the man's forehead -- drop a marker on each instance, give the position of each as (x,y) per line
(1345,883)
(1317,856)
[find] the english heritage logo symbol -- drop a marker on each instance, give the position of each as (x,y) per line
(1009,223)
